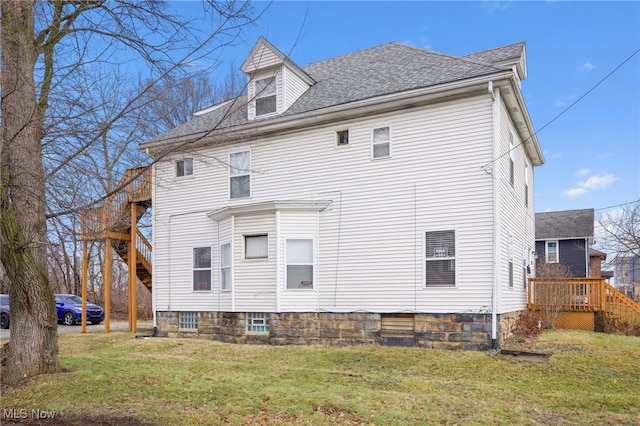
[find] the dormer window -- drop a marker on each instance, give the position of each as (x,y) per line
(265,93)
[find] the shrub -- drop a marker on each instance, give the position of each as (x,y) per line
(529,324)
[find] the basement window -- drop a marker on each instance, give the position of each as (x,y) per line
(258,322)
(188,320)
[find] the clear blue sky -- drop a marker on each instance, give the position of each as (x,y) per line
(592,150)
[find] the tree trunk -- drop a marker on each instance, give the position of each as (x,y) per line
(33,347)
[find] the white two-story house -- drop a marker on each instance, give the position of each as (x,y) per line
(380,197)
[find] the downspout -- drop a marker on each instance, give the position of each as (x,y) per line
(495,296)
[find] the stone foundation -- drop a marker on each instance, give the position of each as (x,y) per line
(461,331)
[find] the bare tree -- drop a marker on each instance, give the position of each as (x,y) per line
(621,229)
(552,291)
(46,47)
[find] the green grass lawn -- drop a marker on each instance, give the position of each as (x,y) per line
(117,379)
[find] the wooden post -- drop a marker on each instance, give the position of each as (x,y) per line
(85,269)
(603,296)
(107,285)
(133,305)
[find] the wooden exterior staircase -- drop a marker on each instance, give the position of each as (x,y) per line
(579,298)
(115,223)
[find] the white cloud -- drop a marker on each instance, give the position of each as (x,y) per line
(587,66)
(574,192)
(582,172)
(592,183)
(563,101)
(598,182)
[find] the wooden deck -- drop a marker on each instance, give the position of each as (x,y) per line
(572,296)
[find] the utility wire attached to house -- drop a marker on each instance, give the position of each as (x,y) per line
(485,166)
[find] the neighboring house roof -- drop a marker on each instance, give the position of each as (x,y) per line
(567,224)
(597,253)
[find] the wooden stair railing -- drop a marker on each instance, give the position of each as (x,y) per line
(618,308)
(583,295)
(112,220)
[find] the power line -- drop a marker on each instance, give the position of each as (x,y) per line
(617,205)
(566,109)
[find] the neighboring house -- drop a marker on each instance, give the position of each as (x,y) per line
(380,197)
(567,237)
(627,276)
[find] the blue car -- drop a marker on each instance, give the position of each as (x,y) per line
(69,310)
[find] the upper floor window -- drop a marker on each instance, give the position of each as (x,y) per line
(343,138)
(440,258)
(184,167)
(551,250)
(381,142)
(512,172)
(240,174)
(265,94)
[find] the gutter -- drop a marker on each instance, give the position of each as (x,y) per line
(379,104)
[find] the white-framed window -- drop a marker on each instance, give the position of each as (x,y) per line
(551,251)
(257,322)
(256,246)
(440,259)
(188,320)
(342,138)
(510,274)
(510,256)
(381,142)
(225,267)
(266,97)
(512,166)
(299,261)
(202,268)
(526,184)
(240,174)
(184,167)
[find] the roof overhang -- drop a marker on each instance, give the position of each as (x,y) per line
(268,207)
(505,80)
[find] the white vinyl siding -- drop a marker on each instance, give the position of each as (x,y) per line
(255,279)
(368,243)
(517,218)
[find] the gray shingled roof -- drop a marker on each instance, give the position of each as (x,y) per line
(564,224)
(382,70)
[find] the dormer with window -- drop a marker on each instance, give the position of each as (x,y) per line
(275,82)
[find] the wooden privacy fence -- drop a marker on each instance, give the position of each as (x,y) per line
(556,296)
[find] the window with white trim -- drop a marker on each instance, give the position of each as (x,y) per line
(202,268)
(265,94)
(440,259)
(381,142)
(256,246)
(240,174)
(188,320)
(225,266)
(299,261)
(526,184)
(512,166)
(342,138)
(258,322)
(551,251)
(184,167)
(510,255)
